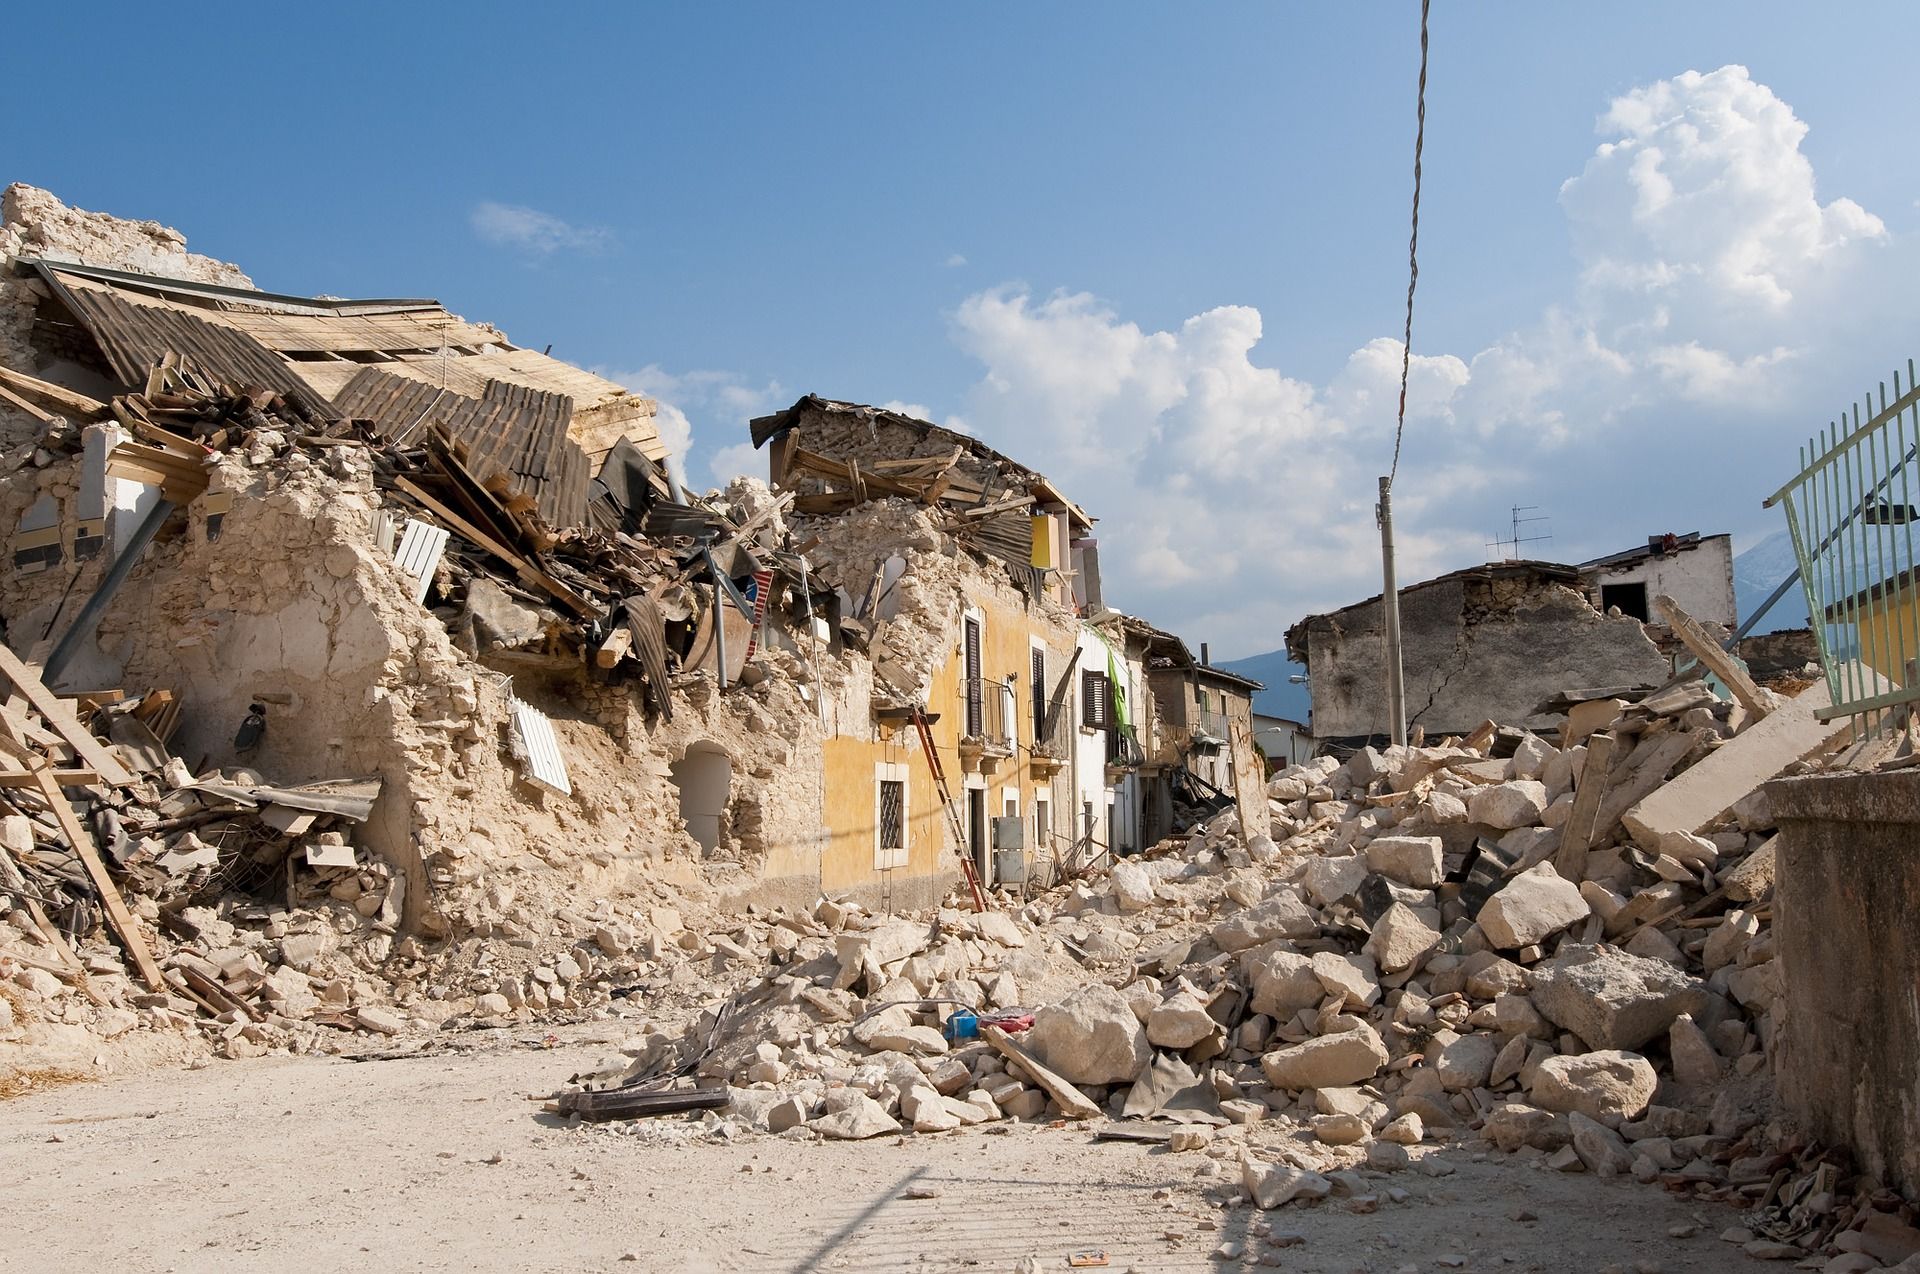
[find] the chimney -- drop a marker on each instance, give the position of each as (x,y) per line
(1204,661)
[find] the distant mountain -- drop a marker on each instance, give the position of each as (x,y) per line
(1757,571)
(1280,698)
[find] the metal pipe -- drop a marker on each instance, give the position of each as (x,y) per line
(1390,608)
(84,623)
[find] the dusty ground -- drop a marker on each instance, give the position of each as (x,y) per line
(440,1163)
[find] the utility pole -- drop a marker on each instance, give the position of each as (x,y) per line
(1390,609)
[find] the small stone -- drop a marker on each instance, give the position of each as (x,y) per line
(1385,1156)
(1404,1131)
(1606,1086)
(1340,1130)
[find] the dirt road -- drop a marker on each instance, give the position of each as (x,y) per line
(440,1164)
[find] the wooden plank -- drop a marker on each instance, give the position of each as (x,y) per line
(527,571)
(1716,660)
(1570,860)
(110,900)
(44,417)
(1071,1100)
(94,754)
(614,648)
(60,396)
(65,778)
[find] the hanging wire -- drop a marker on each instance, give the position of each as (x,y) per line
(1413,248)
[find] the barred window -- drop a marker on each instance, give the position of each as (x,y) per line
(893,832)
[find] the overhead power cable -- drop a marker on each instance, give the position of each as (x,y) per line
(1413,247)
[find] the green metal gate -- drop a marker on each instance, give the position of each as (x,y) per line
(1851,513)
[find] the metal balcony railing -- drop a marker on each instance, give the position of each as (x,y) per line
(1210,726)
(990,714)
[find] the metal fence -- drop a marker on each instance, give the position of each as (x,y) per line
(1851,513)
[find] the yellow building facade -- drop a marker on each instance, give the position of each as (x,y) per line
(887,829)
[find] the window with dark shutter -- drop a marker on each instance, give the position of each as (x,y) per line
(1096,701)
(975,694)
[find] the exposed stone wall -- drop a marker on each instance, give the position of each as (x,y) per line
(1846,909)
(1473,650)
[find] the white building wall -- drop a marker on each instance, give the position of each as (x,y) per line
(1699,578)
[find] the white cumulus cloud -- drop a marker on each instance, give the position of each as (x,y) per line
(531,230)
(1235,497)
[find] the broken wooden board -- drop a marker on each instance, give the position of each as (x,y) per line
(110,900)
(1072,1102)
(1570,860)
(1738,766)
(1715,659)
(1649,772)
(58,713)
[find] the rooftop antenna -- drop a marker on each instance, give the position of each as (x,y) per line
(1508,549)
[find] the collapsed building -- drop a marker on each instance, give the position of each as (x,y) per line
(382,663)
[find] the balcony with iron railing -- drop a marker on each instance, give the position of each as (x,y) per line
(988,717)
(1053,743)
(1210,728)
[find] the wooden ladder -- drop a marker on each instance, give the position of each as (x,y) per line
(924,730)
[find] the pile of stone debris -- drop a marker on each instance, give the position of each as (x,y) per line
(1409,968)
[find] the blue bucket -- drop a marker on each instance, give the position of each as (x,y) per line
(963,1025)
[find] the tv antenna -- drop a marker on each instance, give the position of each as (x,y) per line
(1508,548)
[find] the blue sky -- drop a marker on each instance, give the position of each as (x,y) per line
(1144,248)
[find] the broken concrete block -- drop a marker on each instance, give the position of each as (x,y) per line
(1752,879)
(1180,1023)
(1091,1037)
(1516,1125)
(1281,916)
(1737,767)
(384,1021)
(1133,886)
(1401,938)
(1340,1130)
(1613,1000)
(1272,1185)
(1600,1148)
(1351,1056)
(1508,805)
(1411,860)
(1351,976)
(1695,1063)
(1609,1085)
(1530,908)
(1465,1064)
(1334,876)
(859,1118)
(1728,939)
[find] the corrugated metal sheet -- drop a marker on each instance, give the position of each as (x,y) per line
(134,337)
(509,430)
(536,748)
(419,553)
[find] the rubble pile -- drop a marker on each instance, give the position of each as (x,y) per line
(1406,968)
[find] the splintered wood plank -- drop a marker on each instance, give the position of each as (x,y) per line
(1717,661)
(110,900)
(58,714)
(1570,860)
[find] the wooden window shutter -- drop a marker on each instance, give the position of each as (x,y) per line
(975,708)
(1096,701)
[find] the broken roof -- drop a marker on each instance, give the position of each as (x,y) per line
(765,428)
(1166,650)
(1654,547)
(1533,571)
(314,346)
